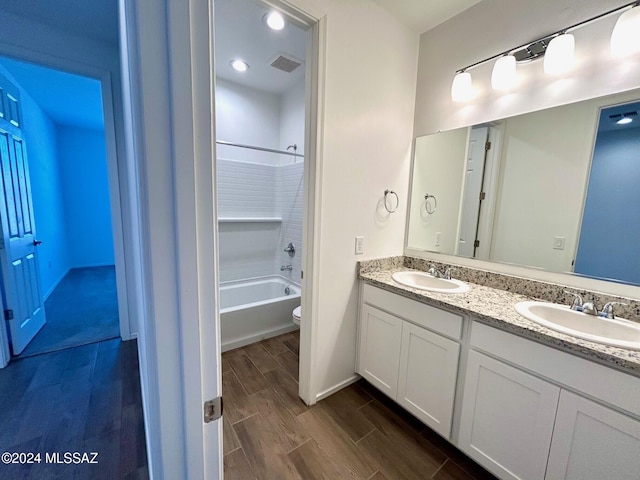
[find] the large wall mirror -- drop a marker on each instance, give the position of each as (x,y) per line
(556,189)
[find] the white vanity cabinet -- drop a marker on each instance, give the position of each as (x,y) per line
(410,351)
(380,337)
(592,442)
(520,418)
(507,418)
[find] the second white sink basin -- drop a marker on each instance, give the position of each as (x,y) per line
(424,281)
(617,332)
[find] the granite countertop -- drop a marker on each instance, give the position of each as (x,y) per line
(496,308)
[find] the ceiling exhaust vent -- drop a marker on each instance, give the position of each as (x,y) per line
(286,63)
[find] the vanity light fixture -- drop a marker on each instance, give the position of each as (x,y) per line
(503,76)
(275,20)
(462,87)
(625,39)
(557,48)
(239,65)
(558,58)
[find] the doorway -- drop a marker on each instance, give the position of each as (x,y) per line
(67,191)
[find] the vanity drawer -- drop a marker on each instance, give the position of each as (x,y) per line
(440,321)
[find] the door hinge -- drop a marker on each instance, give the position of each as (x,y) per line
(487,146)
(212,410)
(8,314)
(476,244)
(483,195)
(301,275)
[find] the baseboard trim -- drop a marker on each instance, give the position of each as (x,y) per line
(55,285)
(244,341)
(330,391)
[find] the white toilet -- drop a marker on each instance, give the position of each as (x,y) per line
(296,315)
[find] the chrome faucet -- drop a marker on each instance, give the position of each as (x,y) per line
(447,273)
(607,310)
(434,271)
(577,303)
(286,267)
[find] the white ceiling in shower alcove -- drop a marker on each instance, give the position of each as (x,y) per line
(241,33)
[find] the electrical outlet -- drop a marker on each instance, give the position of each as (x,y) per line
(359,245)
(558,243)
(438,237)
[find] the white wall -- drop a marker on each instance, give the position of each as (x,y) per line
(292,110)
(493,26)
(248,116)
(369,87)
(438,169)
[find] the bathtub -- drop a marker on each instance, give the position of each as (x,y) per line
(255,309)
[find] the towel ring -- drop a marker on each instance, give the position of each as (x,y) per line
(386,206)
(427,205)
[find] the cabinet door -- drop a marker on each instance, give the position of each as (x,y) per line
(428,372)
(507,418)
(591,441)
(380,337)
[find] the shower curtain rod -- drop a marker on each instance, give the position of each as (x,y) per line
(263,149)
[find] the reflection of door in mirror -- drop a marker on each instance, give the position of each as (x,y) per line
(478,195)
(612,205)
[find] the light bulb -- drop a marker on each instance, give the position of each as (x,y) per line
(625,38)
(503,76)
(462,87)
(275,21)
(559,55)
(239,65)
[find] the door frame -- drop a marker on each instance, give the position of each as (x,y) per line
(314,17)
(116,191)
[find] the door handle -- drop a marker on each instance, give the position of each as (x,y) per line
(36,243)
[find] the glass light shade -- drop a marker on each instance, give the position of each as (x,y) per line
(503,76)
(559,55)
(275,21)
(462,87)
(625,38)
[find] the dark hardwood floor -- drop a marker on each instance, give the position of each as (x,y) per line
(357,433)
(83,399)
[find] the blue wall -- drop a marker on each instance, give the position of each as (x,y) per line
(83,165)
(46,188)
(612,209)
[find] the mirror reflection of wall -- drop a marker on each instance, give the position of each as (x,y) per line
(613,198)
(534,183)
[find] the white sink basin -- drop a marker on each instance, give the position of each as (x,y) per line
(617,332)
(424,281)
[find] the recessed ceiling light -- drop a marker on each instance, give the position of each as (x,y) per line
(275,20)
(624,120)
(239,65)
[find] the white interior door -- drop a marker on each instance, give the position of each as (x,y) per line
(474,172)
(24,308)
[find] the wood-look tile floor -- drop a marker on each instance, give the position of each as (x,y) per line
(357,433)
(82,399)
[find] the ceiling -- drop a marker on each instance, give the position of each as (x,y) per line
(95,19)
(607,124)
(67,99)
(240,33)
(423,15)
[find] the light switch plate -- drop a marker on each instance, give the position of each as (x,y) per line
(359,245)
(558,243)
(438,237)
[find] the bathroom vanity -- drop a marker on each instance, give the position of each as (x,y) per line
(524,401)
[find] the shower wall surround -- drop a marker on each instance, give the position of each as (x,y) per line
(272,197)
